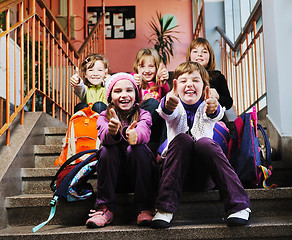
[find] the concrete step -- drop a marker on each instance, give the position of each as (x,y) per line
(42,161)
(37,180)
(47,150)
(34,208)
(267,228)
(54,135)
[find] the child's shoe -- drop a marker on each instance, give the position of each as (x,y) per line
(144,218)
(100,218)
(161,219)
(239,218)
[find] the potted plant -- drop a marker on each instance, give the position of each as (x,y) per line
(163,37)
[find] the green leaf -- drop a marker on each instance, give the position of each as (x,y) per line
(162,36)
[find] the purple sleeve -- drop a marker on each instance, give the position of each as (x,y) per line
(215,114)
(103,134)
(143,127)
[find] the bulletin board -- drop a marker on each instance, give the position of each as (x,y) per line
(120,22)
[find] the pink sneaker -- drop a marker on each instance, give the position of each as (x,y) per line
(144,218)
(99,218)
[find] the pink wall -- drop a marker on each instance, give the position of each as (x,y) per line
(121,52)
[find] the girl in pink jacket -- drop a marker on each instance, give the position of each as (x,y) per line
(125,161)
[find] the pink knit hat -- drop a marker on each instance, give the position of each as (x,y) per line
(117,77)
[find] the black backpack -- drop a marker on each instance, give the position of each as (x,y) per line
(70,182)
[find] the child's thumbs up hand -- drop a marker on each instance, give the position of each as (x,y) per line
(75,79)
(138,79)
(211,102)
(162,74)
(131,134)
(172,100)
(114,123)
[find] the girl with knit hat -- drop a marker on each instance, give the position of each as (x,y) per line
(125,161)
(89,87)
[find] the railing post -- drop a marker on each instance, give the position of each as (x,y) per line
(248,67)
(53,67)
(22,62)
(242,77)
(33,58)
(256,64)
(8,77)
(60,78)
(44,61)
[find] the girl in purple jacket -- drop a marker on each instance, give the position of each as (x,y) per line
(125,161)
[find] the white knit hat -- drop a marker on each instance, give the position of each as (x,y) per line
(115,78)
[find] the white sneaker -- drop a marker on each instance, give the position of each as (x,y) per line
(239,218)
(161,219)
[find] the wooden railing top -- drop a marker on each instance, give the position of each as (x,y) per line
(8,4)
(254,16)
(51,17)
(83,46)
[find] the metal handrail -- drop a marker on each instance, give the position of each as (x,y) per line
(38,62)
(200,22)
(243,64)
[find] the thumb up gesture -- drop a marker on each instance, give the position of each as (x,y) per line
(75,79)
(211,102)
(172,100)
(131,133)
(162,74)
(138,79)
(114,123)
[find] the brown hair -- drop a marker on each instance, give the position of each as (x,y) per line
(203,42)
(189,67)
(89,62)
(140,58)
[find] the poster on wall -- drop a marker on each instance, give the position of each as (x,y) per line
(120,22)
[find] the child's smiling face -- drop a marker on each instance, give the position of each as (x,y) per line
(201,55)
(190,87)
(96,74)
(147,68)
(123,95)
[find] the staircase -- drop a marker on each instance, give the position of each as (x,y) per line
(200,216)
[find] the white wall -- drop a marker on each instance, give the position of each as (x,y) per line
(214,16)
(277,22)
(13,68)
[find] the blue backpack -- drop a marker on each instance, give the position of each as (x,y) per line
(70,182)
(245,154)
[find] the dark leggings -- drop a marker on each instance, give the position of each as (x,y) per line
(158,128)
(97,107)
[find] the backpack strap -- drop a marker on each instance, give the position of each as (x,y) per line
(267,172)
(53,204)
(71,159)
(267,145)
(62,189)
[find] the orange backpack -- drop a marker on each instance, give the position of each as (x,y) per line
(81,135)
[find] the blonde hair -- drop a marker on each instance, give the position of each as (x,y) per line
(203,42)
(189,67)
(89,62)
(140,58)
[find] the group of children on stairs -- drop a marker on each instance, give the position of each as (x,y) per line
(137,112)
